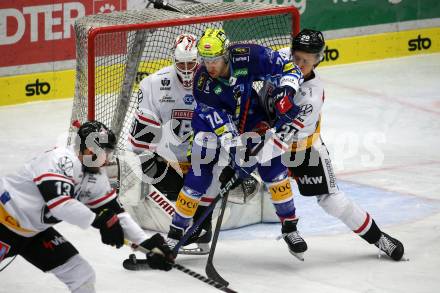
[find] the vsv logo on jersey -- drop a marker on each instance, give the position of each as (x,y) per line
(37,88)
(419,44)
(310,180)
(188,99)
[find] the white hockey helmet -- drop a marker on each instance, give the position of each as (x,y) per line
(185,58)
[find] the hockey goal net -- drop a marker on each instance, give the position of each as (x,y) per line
(116,50)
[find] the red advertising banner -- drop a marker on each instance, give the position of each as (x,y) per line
(37,31)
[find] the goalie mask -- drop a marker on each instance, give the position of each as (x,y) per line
(309,41)
(185,58)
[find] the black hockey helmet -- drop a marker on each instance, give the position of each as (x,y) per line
(309,41)
(101,136)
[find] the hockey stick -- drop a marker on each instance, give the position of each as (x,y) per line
(210,270)
(184,269)
(210,208)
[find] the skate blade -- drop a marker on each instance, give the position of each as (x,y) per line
(404,257)
(298,255)
(201,249)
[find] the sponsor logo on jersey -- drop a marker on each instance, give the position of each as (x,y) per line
(218,90)
(240,59)
(281,191)
(4,249)
(186,205)
(241,72)
(303,91)
(167,99)
(241,51)
(237,91)
(66,166)
(201,82)
(37,88)
(306,110)
(331,174)
(51,244)
(181,114)
(330,54)
(419,44)
(188,99)
(165,84)
(310,180)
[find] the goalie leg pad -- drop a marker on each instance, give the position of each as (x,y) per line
(156,167)
(77,274)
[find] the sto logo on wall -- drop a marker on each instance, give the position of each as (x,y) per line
(39,31)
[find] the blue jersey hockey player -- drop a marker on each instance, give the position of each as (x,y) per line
(227,105)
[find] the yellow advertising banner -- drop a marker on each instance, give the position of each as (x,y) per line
(381,46)
(60,84)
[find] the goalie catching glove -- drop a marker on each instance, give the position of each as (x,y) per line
(160,256)
(285,108)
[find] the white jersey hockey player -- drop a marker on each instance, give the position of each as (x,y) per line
(67,184)
(310,164)
(161,130)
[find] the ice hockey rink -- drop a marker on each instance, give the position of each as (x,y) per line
(381,122)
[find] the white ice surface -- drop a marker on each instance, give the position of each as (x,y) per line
(381,123)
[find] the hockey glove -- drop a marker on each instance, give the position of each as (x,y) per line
(160,256)
(285,108)
(111,231)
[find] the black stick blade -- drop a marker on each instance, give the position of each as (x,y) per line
(212,273)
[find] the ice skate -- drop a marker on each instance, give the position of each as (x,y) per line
(197,243)
(296,244)
(391,246)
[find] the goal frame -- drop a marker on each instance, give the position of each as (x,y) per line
(94,32)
